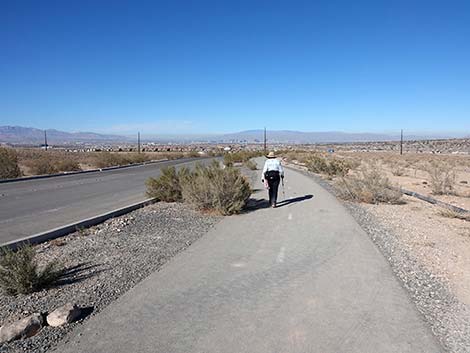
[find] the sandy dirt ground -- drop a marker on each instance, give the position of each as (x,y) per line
(442,245)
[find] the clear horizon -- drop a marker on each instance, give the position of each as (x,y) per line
(214,67)
(450,134)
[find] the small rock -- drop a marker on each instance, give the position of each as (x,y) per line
(23,328)
(63,315)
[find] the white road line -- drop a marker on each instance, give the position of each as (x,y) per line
(289,217)
(281,255)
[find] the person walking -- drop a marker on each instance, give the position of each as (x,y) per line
(272,174)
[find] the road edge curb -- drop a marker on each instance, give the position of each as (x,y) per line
(72,227)
(45,176)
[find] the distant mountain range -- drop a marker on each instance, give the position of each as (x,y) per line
(26,135)
(298,137)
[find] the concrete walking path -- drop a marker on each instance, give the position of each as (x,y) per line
(300,278)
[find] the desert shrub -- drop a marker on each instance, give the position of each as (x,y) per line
(168,186)
(301,157)
(131,158)
(338,167)
(42,166)
(193,154)
(215,188)
(330,167)
(250,165)
(449,213)
(442,177)
(9,164)
(240,157)
(108,159)
(20,273)
(176,155)
(228,160)
(68,165)
(397,169)
(317,164)
(368,185)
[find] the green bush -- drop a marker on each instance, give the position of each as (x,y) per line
(168,186)
(20,273)
(224,190)
(9,164)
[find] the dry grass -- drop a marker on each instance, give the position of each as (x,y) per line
(9,167)
(250,165)
(321,163)
(35,161)
(442,178)
(448,213)
(368,185)
(239,157)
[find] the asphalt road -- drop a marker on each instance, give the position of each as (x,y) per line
(32,206)
(300,278)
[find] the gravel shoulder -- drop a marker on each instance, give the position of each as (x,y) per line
(104,262)
(430,255)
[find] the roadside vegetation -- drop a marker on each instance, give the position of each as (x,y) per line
(355,182)
(167,187)
(368,185)
(9,167)
(19,162)
(20,273)
(109,159)
(448,213)
(208,188)
(241,157)
(442,178)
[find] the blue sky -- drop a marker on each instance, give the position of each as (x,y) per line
(224,66)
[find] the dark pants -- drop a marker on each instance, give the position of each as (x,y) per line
(273,187)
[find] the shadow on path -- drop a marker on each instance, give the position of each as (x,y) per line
(294,200)
(258,204)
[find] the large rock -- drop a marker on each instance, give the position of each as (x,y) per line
(23,328)
(64,315)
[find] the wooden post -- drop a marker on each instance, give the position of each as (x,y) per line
(45,139)
(265,141)
(401,142)
(138,142)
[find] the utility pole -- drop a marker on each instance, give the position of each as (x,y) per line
(45,139)
(265,140)
(138,142)
(401,142)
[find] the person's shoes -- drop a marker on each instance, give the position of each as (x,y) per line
(273,205)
